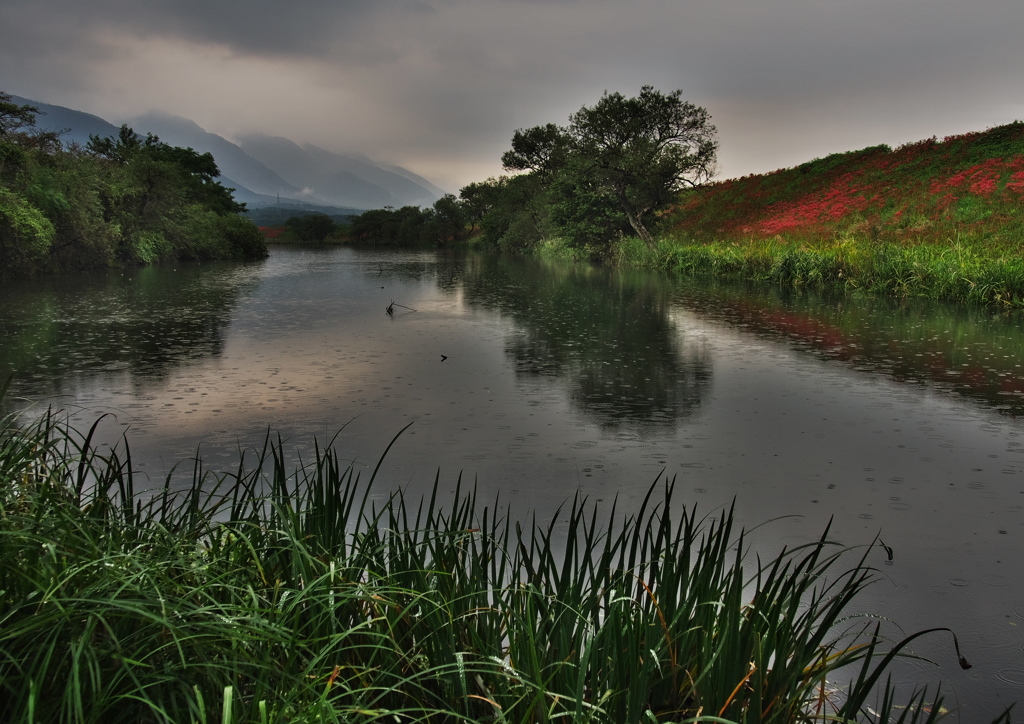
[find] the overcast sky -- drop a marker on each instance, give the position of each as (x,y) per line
(439,86)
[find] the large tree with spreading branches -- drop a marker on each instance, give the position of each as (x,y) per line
(632,154)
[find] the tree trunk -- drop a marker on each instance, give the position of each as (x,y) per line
(634,219)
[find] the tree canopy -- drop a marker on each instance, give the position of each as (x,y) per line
(123,200)
(608,171)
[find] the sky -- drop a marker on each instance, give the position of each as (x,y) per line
(440,86)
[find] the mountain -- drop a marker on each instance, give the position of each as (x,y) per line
(344,179)
(265,170)
(416,178)
(79,125)
(234,163)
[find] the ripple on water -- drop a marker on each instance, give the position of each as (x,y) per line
(1011,676)
(961,582)
(941,589)
(994,580)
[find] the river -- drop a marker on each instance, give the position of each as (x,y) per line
(536,381)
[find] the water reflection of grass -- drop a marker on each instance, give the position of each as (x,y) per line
(973,351)
(267,596)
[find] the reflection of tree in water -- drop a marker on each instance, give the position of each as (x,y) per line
(608,334)
(142,323)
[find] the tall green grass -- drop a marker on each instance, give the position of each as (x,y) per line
(275,595)
(962,271)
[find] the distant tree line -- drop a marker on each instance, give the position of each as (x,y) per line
(117,201)
(312,227)
(607,174)
(445,222)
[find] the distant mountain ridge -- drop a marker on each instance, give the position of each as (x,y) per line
(264,170)
(339,178)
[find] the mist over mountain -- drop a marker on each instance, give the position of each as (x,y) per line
(232,161)
(264,170)
(346,179)
(78,125)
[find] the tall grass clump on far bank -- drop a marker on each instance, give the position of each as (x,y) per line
(961,271)
(267,596)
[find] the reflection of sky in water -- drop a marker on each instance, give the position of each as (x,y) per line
(309,348)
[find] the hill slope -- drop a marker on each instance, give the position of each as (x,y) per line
(232,160)
(970,185)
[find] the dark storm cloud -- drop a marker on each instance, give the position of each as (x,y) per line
(443,83)
(263,26)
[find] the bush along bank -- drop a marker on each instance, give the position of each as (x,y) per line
(268,596)
(121,201)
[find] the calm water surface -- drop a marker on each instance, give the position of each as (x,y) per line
(540,381)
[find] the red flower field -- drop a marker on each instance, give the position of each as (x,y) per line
(930,191)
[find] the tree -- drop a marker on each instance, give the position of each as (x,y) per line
(15,118)
(449,219)
(645,149)
(478,199)
(151,161)
(541,149)
(635,153)
(312,227)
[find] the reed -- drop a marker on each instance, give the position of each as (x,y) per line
(963,270)
(281,592)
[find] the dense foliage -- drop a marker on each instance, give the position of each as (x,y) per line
(311,227)
(605,175)
(445,222)
(118,201)
(263,596)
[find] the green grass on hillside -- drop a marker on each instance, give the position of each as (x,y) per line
(937,219)
(969,186)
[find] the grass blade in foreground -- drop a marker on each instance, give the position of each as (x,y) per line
(308,604)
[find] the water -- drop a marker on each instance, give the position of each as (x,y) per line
(538,381)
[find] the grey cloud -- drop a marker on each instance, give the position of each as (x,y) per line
(304,27)
(447,81)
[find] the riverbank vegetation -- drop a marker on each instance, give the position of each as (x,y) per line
(607,174)
(937,218)
(448,221)
(264,595)
(116,202)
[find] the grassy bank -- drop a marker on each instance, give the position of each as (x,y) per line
(956,271)
(266,596)
(937,219)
